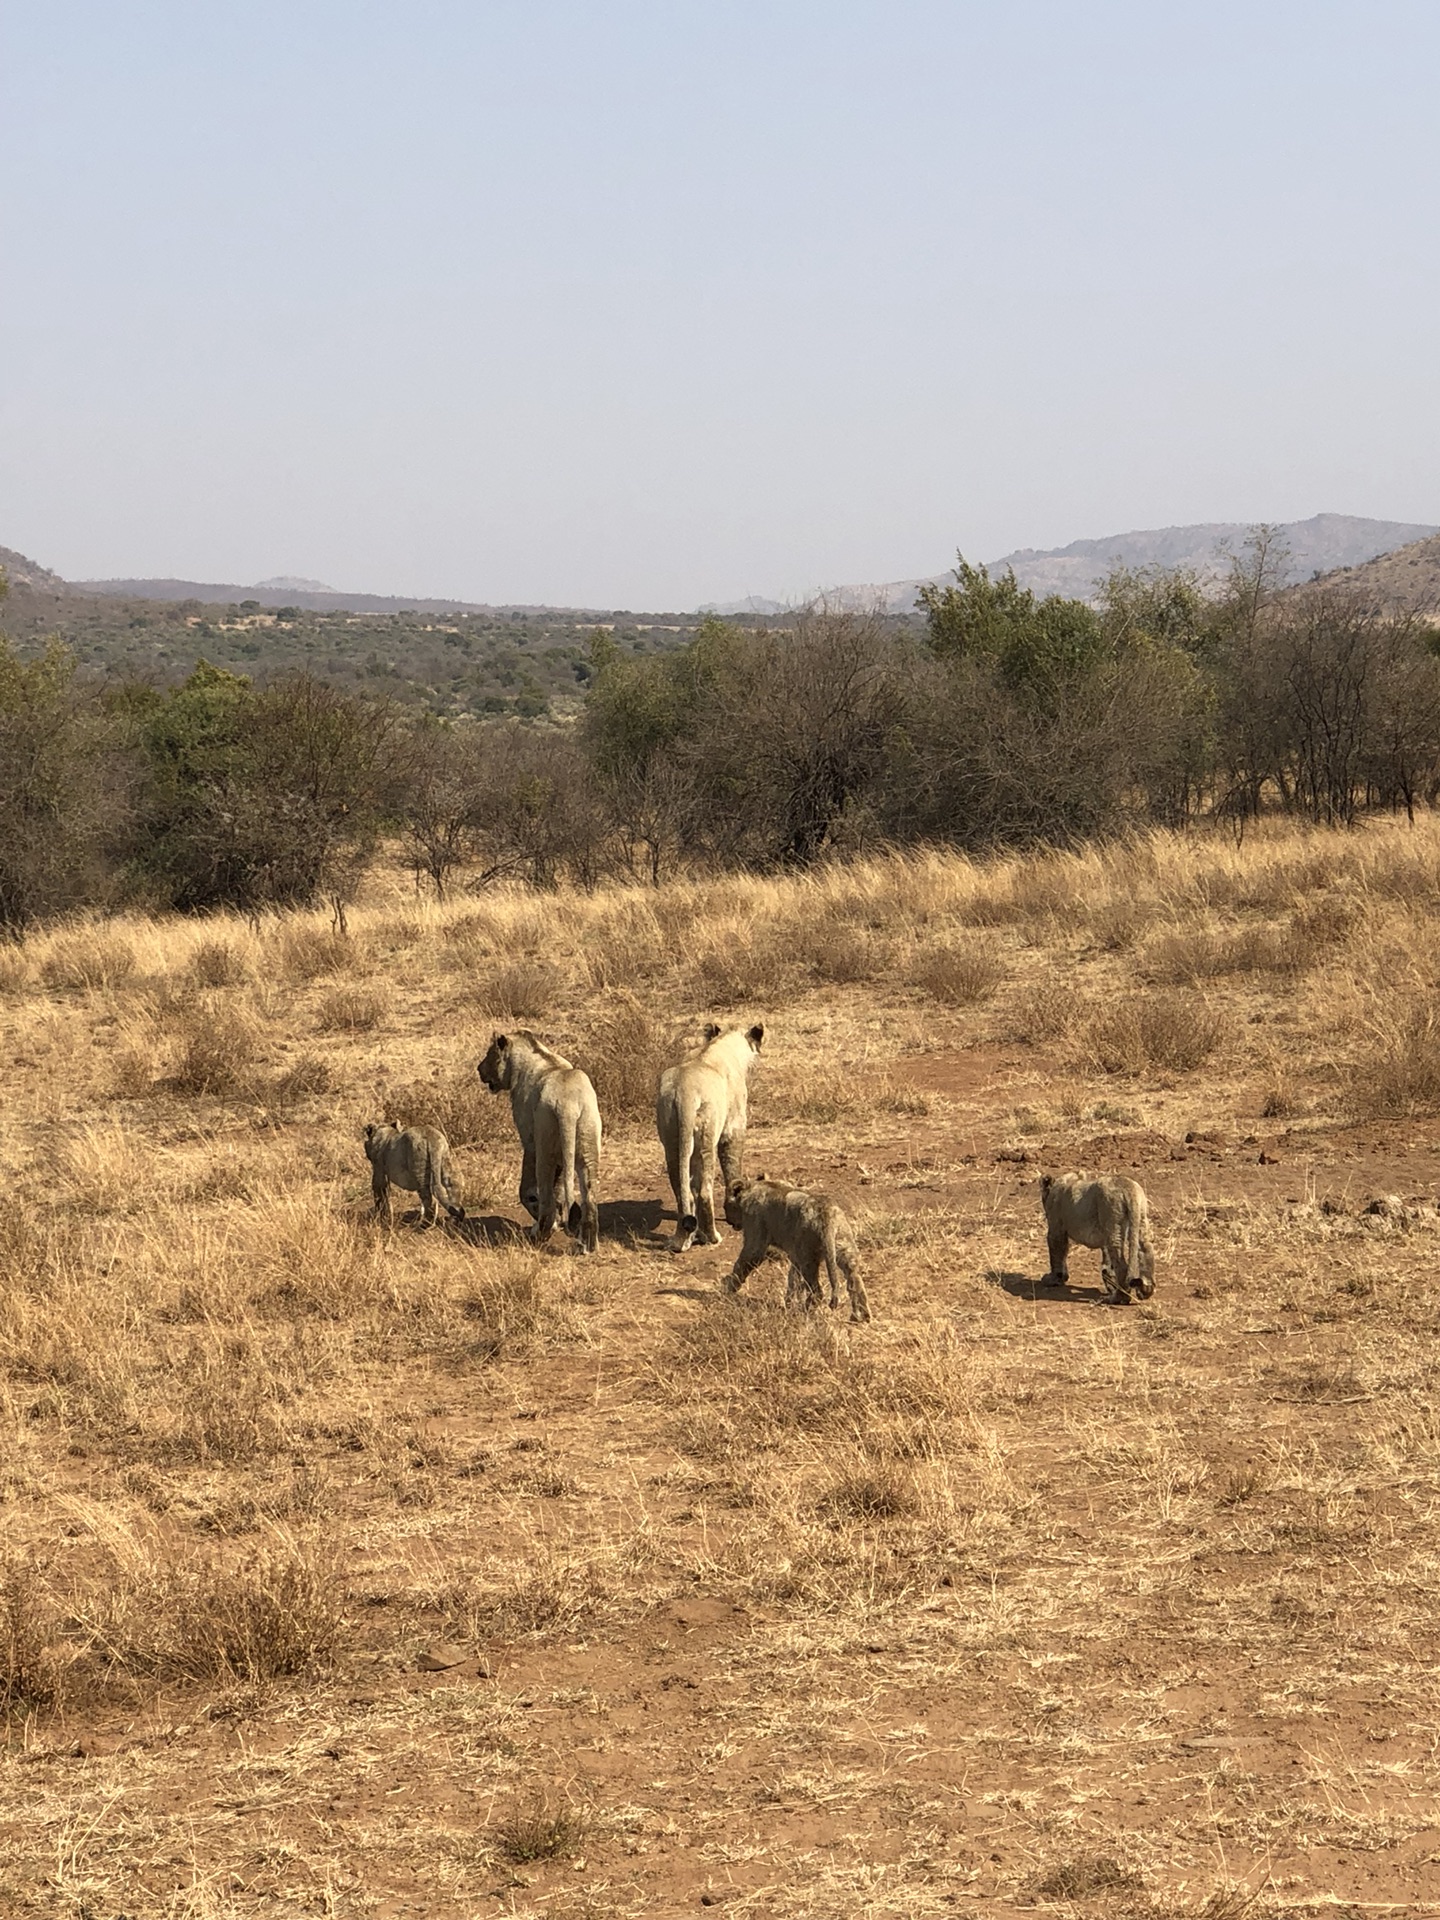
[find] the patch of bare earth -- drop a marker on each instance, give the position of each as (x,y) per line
(428,1575)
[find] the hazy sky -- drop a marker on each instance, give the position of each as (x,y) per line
(639,303)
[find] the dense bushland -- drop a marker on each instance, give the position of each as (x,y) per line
(1004,720)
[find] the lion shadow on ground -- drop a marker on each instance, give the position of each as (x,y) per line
(490,1230)
(635,1221)
(1025,1286)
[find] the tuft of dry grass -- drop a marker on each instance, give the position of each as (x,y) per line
(538,1829)
(842,955)
(352,1010)
(1399,1075)
(15,970)
(460,1105)
(219,963)
(1085,1876)
(271,1615)
(1153,1032)
(91,960)
(306,1076)
(626,1051)
(871,1490)
(29,1671)
(757,968)
(527,989)
(1043,1012)
(307,952)
(217,1049)
(959,976)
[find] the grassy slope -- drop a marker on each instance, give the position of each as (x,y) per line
(1008,1599)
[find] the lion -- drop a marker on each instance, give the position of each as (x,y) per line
(415,1158)
(558,1120)
(700,1112)
(1111,1214)
(807,1226)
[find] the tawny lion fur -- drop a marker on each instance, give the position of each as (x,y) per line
(416,1159)
(809,1227)
(557,1118)
(700,1113)
(1111,1214)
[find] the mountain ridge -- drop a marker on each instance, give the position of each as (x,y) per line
(1325,544)
(1322,544)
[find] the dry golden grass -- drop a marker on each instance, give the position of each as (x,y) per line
(351,1572)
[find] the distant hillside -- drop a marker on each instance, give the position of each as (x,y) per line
(1318,545)
(447,656)
(1407,579)
(272,593)
(21,572)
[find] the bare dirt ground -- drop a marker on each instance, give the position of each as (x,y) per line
(438,1576)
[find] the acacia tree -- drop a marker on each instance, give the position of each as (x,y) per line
(265,796)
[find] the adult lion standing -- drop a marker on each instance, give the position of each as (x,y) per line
(701,1112)
(557,1118)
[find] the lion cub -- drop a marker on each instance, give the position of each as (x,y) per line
(415,1158)
(809,1227)
(1111,1214)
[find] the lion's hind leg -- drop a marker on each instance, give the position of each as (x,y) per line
(855,1285)
(1058,1242)
(548,1172)
(702,1186)
(1115,1273)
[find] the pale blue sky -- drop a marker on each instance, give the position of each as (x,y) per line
(637,304)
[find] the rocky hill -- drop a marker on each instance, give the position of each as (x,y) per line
(1316,546)
(1407,580)
(23,572)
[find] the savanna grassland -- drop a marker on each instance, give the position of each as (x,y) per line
(430,1574)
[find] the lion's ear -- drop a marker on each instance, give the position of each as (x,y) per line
(756,1035)
(502,1041)
(1047,1180)
(712,1032)
(369,1129)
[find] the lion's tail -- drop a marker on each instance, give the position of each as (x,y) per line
(1130,1237)
(689,1125)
